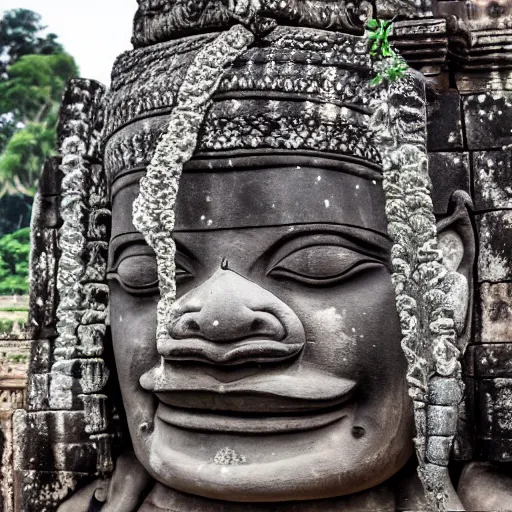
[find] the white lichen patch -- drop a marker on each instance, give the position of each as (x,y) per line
(491,175)
(229,457)
(333,325)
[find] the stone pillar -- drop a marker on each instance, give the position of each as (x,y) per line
(62,436)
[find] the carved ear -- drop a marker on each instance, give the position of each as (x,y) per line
(457,241)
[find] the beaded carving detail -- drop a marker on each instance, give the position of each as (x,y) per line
(420,280)
(153,209)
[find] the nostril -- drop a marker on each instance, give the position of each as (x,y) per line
(265,324)
(257,325)
(192,326)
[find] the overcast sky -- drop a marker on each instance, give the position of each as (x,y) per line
(93,31)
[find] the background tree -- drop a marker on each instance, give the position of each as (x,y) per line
(31,95)
(14,253)
(34,69)
(20,34)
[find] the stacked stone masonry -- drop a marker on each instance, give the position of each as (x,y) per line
(66,417)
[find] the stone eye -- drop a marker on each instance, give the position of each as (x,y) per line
(323,264)
(138,272)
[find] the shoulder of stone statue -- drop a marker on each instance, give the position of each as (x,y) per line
(486,487)
(124,492)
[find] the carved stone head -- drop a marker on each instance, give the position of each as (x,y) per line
(276,370)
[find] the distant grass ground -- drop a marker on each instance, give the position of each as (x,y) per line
(13,312)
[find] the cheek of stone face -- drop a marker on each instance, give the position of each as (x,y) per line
(352,329)
(133,328)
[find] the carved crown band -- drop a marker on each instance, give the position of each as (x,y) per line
(300,89)
(244,127)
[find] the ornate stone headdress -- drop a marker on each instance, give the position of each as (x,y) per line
(230,77)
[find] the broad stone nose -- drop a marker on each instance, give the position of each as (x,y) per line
(229,308)
(230,320)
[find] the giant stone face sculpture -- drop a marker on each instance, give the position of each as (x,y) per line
(285,320)
(284,333)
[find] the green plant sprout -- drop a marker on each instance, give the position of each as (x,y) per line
(390,66)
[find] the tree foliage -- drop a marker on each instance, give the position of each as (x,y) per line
(21,160)
(32,82)
(14,255)
(20,31)
(35,86)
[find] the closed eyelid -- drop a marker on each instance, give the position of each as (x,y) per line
(322,264)
(308,239)
(128,251)
(133,244)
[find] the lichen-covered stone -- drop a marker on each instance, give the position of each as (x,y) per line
(495,239)
(490,360)
(488,119)
(495,320)
(38,392)
(91,339)
(79,116)
(441,420)
(445,122)
(64,432)
(492,175)
(89,375)
(95,258)
(43,271)
(494,401)
(449,172)
(95,410)
(438,450)
(444,391)
(61,391)
(160,20)
(40,356)
(43,491)
(416,259)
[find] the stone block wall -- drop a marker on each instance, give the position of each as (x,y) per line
(61,436)
(470,145)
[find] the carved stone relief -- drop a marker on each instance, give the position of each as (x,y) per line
(270,285)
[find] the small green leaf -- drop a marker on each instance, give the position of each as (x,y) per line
(372,24)
(393,65)
(376,80)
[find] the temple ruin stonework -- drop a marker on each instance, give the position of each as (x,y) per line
(262,279)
